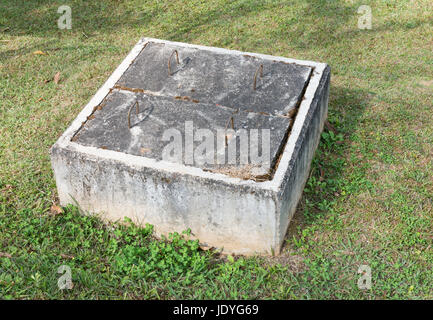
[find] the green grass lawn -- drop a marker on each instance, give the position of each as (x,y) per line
(369,198)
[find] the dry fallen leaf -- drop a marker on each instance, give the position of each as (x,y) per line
(66,256)
(39,52)
(56,210)
(330,127)
(4,254)
(206,248)
(322,174)
(57,78)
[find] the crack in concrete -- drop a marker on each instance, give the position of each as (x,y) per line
(190,99)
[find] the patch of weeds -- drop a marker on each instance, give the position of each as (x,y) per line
(175,258)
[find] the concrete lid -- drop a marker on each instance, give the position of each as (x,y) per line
(151,130)
(184,88)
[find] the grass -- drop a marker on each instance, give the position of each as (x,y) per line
(369,198)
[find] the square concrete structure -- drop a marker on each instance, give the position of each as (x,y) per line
(108,165)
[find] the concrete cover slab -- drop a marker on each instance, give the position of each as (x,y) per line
(108,128)
(212,77)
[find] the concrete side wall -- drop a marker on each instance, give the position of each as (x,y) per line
(239,220)
(300,163)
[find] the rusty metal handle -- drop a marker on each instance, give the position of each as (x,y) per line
(129,113)
(260,68)
(169,61)
(225,129)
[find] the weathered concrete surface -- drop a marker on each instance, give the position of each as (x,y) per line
(108,127)
(240,216)
(212,77)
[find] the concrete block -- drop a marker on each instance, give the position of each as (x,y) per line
(115,167)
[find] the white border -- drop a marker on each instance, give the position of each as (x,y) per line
(139,162)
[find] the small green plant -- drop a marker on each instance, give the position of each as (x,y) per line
(172,258)
(330,139)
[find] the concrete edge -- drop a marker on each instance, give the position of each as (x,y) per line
(289,154)
(236,52)
(323,87)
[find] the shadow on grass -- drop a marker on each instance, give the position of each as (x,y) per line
(314,21)
(346,107)
(176,18)
(303,24)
